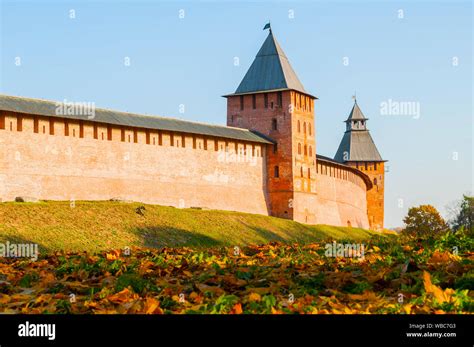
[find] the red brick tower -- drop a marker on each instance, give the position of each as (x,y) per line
(357,149)
(272,101)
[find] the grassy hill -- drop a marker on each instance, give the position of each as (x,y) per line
(96,226)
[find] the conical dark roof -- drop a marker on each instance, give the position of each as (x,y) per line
(357,145)
(356,113)
(270,70)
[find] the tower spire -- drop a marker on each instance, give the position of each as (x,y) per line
(270,71)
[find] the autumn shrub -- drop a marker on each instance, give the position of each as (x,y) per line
(458,241)
(424,223)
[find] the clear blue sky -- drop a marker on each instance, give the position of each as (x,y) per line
(190,61)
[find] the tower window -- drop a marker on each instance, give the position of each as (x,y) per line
(366,166)
(301,171)
(271,105)
(304,128)
(309,129)
(265,99)
(280,99)
(19,124)
(276,171)
(241,102)
(305,150)
(35,124)
(274,124)
(81,129)
(275,148)
(254,101)
(299,127)
(309,173)
(375,166)
(310,151)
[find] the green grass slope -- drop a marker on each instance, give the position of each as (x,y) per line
(101,225)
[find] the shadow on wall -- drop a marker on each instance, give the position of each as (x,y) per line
(265,181)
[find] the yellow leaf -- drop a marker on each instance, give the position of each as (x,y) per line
(112,256)
(442,257)
(187,273)
(4,298)
(175,298)
(438,293)
(407,308)
(254,297)
(367,295)
(274,311)
(123,296)
(152,306)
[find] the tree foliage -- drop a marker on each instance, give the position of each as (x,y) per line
(464,215)
(424,222)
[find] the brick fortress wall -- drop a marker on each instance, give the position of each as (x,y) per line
(53,159)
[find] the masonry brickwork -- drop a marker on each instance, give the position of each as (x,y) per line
(275,171)
(80,161)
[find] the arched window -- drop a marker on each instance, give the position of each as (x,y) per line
(309,173)
(310,151)
(299,148)
(276,171)
(305,150)
(309,129)
(304,128)
(301,171)
(299,127)
(274,124)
